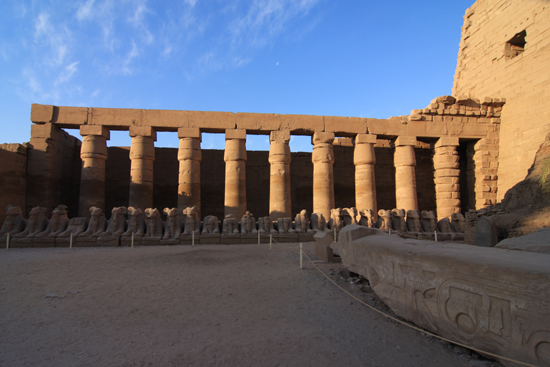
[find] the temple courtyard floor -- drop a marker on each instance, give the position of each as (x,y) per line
(208,305)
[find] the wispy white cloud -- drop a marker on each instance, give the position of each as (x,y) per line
(57,38)
(132,54)
(85,10)
(67,73)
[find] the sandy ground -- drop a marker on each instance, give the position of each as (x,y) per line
(238,305)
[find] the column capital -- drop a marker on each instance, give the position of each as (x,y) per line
(365,139)
(235,134)
(145,131)
(405,141)
(189,132)
(281,136)
(95,130)
(446,142)
(322,138)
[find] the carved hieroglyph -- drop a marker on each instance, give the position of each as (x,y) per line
(493,299)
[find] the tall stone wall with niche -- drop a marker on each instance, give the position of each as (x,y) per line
(505,51)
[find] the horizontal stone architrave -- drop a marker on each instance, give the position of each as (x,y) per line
(258,123)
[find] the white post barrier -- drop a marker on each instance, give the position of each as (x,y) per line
(8,242)
(193,239)
(390,230)
(71,241)
(301,256)
(132,239)
(270,241)
(258,237)
(435,235)
(335,239)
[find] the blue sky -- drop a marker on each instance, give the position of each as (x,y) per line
(316,57)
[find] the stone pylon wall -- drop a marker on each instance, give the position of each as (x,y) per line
(487,66)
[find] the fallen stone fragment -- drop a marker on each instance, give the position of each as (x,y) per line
(538,241)
(488,298)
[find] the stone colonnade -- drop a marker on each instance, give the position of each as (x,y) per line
(142,155)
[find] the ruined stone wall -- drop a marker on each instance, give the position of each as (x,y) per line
(165,181)
(493,61)
(13,177)
(53,169)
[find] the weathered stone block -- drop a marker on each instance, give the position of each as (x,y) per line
(41,114)
(493,299)
(353,125)
(258,121)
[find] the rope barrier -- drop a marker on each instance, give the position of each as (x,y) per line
(402,322)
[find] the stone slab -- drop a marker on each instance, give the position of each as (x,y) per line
(306,237)
(230,239)
(127,241)
(188,240)
(286,237)
(150,241)
(17,242)
(43,242)
(249,238)
(170,242)
(41,114)
(210,239)
(345,125)
(110,241)
(538,241)
(324,238)
(68,116)
(494,299)
(85,242)
(302,124)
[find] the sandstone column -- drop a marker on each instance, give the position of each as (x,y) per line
(235,172)
(447,172)
(405,177)
(323,178)
(364,160)
(142,156)
(279,182)
(93,153)
(189,156)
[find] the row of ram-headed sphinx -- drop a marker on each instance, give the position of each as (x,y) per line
(184,225)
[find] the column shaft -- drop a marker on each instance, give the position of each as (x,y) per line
(93,153)
(142,156)
(365,184)
(279,181)
(235,173)
(447,177)
(189,156)
(323,177)
(405,176)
